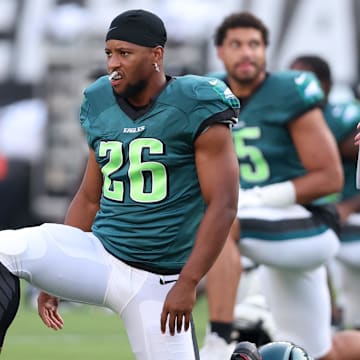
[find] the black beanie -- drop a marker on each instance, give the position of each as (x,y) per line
(139,27)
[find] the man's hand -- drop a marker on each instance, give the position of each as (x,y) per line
(343,212)
(357,136)
(178,306)
(48,311)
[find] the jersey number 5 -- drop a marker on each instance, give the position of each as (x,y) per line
(253,165)
(138,169)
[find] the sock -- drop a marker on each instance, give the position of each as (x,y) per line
(223,329)
(9,300)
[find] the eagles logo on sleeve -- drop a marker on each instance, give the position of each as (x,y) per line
(308,87)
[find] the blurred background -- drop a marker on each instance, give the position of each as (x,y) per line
(51,49)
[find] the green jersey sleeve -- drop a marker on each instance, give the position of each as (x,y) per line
(342,118)
(296,93)
(206,101)
(97,99)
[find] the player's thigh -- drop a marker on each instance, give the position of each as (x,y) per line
(291,237)
(142,320)
(300,304)
(305,253)
(349,252)
(59,259)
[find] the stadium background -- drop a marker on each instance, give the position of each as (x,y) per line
(51,49)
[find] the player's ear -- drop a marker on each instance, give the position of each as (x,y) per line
(158,53)
(220,52)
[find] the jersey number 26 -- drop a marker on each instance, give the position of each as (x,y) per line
(137,173)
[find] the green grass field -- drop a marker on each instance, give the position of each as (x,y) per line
(89,333)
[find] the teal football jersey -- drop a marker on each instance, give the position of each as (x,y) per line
(342,120)
(265,150)
(151,203)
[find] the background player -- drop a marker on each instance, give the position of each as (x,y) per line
(288,159)
(342,119)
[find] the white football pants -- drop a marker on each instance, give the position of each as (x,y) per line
(72,264)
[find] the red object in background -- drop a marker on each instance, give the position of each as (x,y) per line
(3,167)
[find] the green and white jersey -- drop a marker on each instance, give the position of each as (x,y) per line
(342,120)
(264,147)
(151,203)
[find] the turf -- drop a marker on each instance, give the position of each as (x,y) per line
(89,333)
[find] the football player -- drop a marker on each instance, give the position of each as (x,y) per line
(148,219)
(288,159)
(342,119)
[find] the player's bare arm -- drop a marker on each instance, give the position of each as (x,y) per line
(85,204)
(348,149)
(357,136)
(319,155)
(218,173)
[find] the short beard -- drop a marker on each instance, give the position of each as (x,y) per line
(245,81)
(133,90)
